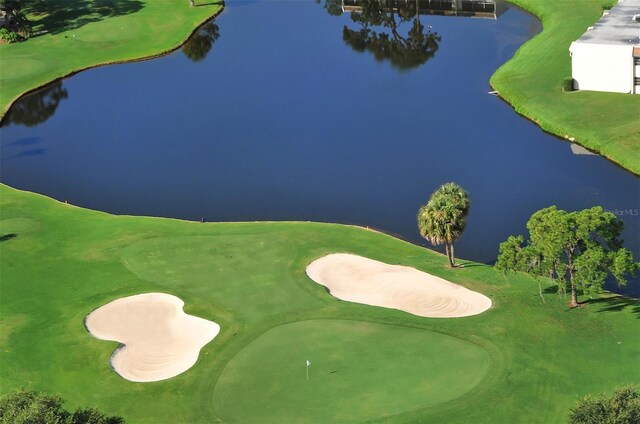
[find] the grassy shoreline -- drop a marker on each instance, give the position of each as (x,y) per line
(531,82)
(59,262)
(127,37)
(64,261)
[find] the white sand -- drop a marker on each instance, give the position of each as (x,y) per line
(159,340)
(362,280)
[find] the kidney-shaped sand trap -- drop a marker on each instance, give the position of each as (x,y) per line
(362,280)
(159,340)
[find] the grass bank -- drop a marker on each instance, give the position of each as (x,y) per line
(75,35)
(607,123)
(522,361)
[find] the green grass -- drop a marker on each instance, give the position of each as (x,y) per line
(607,123)
(359,371)
(522,361)
(81,34)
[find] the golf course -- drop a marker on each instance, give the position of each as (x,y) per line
(522,360)
(266,323)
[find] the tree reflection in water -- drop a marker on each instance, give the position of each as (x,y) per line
(380,34)
(200,43)
(37,107)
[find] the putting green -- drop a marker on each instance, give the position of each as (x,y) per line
(356,373)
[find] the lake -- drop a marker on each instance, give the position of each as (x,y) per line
(277,112)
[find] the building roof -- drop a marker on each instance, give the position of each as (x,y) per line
(616,27)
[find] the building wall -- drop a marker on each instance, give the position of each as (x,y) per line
(599,67)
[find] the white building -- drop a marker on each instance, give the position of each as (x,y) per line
(607,56)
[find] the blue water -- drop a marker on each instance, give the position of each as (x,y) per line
(283,121)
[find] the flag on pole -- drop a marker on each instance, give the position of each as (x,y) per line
(308,363)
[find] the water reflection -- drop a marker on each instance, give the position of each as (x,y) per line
(471,8)
(201,42)
(37,107)
(380,31)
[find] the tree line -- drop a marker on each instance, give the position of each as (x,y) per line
(576,250)
(24,406)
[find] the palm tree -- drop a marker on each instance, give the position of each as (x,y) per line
(443,219)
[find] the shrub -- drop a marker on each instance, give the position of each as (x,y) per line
(8,35)
(623,407)
(30,407)
(567,84)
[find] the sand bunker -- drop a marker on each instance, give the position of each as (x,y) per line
(159,340)
(362,280)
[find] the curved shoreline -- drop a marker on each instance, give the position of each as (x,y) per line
(519,100)
(5,108)
(532,104)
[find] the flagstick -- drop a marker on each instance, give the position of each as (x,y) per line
(307,372)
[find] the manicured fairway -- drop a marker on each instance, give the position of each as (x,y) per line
(77,35)
(521,361)
(359,371)
(532,82)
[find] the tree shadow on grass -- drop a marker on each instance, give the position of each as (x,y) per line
(209,3)
(616,304)
(470,264)
(56,16)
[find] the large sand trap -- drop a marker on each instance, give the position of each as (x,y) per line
(159,340)
(362,280)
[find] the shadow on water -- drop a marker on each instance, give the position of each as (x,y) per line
(200,43)
(380,31)
(26,153)
(27,141)
(56,16)
(35,108)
